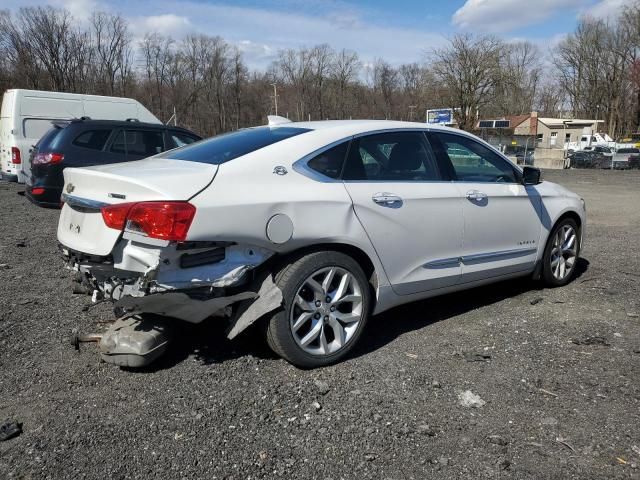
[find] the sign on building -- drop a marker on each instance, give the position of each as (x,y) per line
(441,116)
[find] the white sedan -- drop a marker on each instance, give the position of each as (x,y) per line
(311,228)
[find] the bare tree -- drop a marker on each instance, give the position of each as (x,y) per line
(469,66)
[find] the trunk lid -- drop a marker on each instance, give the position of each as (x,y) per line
(81,226)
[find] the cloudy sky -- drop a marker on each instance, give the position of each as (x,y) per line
(398,31)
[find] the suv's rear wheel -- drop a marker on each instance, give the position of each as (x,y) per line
(326,306)
(561,253)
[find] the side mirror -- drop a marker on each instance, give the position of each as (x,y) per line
(530,176)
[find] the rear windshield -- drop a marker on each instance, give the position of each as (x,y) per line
(51,140)
(232,145)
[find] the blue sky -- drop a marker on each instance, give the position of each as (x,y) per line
(399,31)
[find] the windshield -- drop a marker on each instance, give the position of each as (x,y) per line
(222,148)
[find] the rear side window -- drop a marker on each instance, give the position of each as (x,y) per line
(180,139)
(330,161)
(92,139)
(138,142)
(232,145)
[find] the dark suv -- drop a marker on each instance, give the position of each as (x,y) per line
(82,143)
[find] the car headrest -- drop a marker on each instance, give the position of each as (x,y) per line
(406,156)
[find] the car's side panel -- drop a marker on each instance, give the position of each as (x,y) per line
(419,240)
(501,231)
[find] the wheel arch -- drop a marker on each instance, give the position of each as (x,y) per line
(359,255)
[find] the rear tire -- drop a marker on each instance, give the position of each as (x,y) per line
(561,253)
(326,304)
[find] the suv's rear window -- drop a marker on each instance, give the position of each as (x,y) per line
(51,140)
(232,145)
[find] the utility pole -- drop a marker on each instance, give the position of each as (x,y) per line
(275,97)
(411,110)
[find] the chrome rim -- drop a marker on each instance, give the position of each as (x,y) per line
(326,311)
(563,252)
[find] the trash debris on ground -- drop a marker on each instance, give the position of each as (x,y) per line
(470,399)
(589,340)
(497,440)
(535,301)
(476,357)
(322,386)
(563,441)
(9,430)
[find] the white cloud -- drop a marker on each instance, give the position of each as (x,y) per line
(167,24)
(497,16)
(607,8)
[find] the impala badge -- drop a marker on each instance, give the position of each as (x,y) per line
(70,187)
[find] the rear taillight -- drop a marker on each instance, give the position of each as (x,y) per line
(15,156)
(115,216)
(163,220)
(37,191)
(48,158)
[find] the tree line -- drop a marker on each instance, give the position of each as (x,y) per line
(593,73)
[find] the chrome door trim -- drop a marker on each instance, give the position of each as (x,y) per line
(499,255)
(480,258)
(83,202)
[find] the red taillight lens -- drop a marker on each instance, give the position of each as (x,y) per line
(48,158)
(37,191)
(15,156)
(115,216)
(163,220)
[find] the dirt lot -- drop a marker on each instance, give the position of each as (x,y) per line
(561,386)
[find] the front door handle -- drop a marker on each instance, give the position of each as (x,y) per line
(476,195)
(385,199)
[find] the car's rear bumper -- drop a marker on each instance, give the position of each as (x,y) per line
(9,177)
(44,196)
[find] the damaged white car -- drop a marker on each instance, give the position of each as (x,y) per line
(310,227)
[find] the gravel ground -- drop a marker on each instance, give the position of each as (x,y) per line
(561,383)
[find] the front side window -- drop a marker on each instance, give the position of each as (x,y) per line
(472,161)
(330,161)
(393,156)
(229,146)
(92,139)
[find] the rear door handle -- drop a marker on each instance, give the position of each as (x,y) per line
(476,195)
(385,199)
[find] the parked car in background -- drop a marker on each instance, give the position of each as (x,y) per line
(586,159)
(311,227)
(27,114)
(605,151)
(83,143)
(620,159)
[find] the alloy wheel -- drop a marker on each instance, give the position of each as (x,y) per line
(563,252)
(326,311)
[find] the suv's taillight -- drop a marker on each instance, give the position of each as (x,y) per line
(48,158)
(15,156)
(163,220)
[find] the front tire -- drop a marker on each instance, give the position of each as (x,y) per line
(326,304)
(561,253)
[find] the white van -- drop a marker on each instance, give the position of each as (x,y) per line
(27,114)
